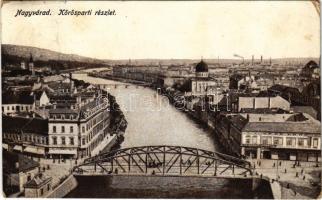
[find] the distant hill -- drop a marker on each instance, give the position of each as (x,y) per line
(43,54)
(17,53)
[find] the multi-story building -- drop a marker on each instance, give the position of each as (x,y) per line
(77,132)
(74,129)
(272,136)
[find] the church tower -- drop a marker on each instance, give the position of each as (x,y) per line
(202,70)
(31,65)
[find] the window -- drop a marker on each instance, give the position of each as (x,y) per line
(315,142)
(12,108)
(290,141)
(300,142)
(254,140)
(278,141)
(71,129)
(63,129)
(42,191)
(71,140)
(83,141)
(63,116)
(63,141)
(54,128)
(83,129)
(247,139)
(266,140)
(55,140)
(71,117)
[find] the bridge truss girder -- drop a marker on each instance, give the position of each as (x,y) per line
(164,160)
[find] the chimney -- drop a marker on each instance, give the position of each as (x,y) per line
(247,118)
(261,59)
(252,59)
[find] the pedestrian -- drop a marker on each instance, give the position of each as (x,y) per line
(303,177)
(280,163)
(297,174)
(259,163)
(302,171)
(285,170)
(288,186)
(273,164)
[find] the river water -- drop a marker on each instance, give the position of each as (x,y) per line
(153,121)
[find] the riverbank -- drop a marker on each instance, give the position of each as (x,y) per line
(205,119)
(63,182)
(289,181)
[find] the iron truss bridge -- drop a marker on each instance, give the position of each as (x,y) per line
(122,85)
(164,161)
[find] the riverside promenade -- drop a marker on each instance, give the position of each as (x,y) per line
(290,179)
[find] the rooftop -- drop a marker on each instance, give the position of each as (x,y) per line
(24,164)
(24,125)
(21,97)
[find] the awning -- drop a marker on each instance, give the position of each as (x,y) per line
(62,151)
(35,150)
(5,146)
(17,148)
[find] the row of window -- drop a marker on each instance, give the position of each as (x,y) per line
(27,138)
(63,140)
(91,123)
(93,133)
(16,108)
(267,140)
(62,129)
(63,116)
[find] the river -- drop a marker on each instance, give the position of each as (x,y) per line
(153,121)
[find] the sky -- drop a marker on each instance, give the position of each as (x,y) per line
(169,30)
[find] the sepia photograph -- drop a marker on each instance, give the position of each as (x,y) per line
(161,99)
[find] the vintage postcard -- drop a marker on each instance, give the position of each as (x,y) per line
(161,99)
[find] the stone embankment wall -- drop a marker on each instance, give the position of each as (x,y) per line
(121,186)
(63,189)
